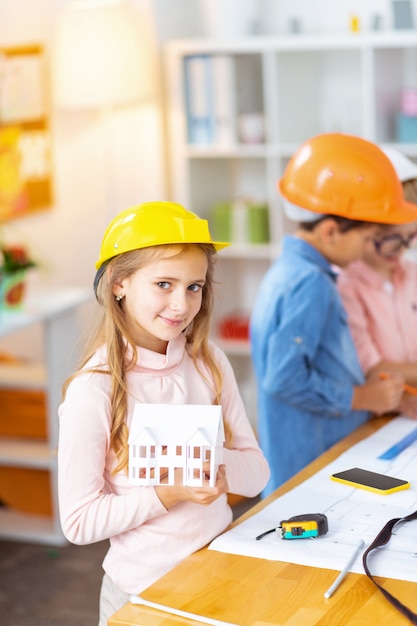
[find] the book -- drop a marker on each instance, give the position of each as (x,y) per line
(402,14)
(224,99)
(199,99)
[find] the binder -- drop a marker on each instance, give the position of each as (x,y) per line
(199,99)
(402,14)
(224,99)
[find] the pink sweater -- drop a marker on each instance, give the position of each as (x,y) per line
(146,540)
(382,316)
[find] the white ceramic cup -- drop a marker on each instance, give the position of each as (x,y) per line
(251,128)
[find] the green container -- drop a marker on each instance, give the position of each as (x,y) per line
(258,224)
(221,221)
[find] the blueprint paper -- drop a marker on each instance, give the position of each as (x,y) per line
(352,514)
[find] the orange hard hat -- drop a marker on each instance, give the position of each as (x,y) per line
(348,176)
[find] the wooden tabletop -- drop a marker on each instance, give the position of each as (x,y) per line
(256,592)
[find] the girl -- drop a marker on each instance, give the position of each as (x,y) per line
(379,293)
(155,286)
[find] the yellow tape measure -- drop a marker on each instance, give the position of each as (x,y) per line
(307,526)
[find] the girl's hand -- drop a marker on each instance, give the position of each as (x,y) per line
(408,406)
(205,495)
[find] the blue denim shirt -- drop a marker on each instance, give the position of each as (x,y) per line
(305,361)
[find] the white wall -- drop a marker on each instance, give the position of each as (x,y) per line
(175,19)
(68,236)
(101,166)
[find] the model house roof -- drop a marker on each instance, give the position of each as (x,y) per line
(177,424)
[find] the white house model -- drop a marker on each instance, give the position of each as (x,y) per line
(166,438)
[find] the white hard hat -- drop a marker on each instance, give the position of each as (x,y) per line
(297,213)
(405,168)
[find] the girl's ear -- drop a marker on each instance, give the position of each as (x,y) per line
(117,288)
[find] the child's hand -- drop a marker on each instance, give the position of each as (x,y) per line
(163,476)
(379,396)
(205,494)
(174,494)
(408,406)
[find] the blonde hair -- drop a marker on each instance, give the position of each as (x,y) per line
(113,329)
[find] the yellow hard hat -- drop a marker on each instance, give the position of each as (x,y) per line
(153,224)
(348,176)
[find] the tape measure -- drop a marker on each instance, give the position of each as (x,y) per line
(308,526)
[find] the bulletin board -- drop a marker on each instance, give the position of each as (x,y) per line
(25,142)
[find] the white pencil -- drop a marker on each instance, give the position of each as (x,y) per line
(193,616)
(358,547)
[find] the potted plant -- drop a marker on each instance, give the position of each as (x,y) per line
(15,261)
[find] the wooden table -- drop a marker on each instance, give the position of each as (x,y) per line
(256,592)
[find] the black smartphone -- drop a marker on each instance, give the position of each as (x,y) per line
(365,479)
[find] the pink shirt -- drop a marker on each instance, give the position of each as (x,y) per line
(382,315)
(146,540)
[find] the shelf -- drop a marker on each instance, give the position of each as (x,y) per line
(32,528)
(28,466)
(245,151)
(295,87)
(241,151)
(23,376)
(25,453)
(42,306)
(250,251)
(319,41)
(237,347)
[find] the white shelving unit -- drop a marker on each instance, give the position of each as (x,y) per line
(303,86)
(56,311)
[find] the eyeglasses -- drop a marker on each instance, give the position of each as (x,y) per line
(392,244)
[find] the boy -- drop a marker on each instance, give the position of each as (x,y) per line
(311,389)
